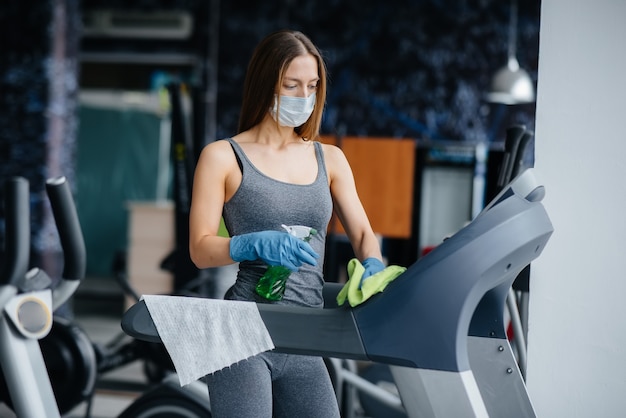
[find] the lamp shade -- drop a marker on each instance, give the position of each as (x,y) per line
(511,85)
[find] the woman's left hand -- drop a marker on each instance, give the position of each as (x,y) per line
(372,266)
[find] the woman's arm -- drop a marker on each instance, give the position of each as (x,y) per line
(213,172)
(348,206)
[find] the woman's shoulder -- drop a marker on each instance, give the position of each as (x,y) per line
(335,159)
(332,153)
(218,150)
(218,145)
(328,148)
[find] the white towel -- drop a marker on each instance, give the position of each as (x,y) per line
(205,335)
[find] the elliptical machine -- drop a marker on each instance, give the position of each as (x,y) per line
(28,302)
(47,377)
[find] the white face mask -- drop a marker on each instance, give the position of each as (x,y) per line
(294,111)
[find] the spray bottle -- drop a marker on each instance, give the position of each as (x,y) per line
(273,282)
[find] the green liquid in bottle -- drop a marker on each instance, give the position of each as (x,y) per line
(272,284)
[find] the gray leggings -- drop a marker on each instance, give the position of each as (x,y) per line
(273,385)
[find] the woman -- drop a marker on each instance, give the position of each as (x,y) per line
(274,173)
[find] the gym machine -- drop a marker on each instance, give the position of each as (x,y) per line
(26,300)
(440,325)
(48,364)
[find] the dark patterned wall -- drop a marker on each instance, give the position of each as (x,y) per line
(23,90)
(24,98)
(406,68)
(398,68)
(38,87)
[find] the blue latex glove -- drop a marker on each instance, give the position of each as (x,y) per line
(372,266)
(275,248)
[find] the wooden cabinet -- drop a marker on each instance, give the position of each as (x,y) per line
(383,171)
(151,239)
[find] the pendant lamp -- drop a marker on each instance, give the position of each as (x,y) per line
(511,84)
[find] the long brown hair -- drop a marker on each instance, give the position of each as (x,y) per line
(265,72)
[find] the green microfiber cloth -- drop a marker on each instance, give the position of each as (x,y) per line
(372,285)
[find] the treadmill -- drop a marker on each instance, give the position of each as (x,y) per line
(439,325)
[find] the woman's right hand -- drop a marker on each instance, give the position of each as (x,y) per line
(274,248)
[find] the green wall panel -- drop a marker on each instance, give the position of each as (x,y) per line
(120,159)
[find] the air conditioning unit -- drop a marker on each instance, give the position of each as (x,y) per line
(137,25)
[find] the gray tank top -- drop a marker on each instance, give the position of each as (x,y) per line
(262,203)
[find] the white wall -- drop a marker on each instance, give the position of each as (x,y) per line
(577,330)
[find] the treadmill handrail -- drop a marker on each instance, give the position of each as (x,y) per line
(293,329)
